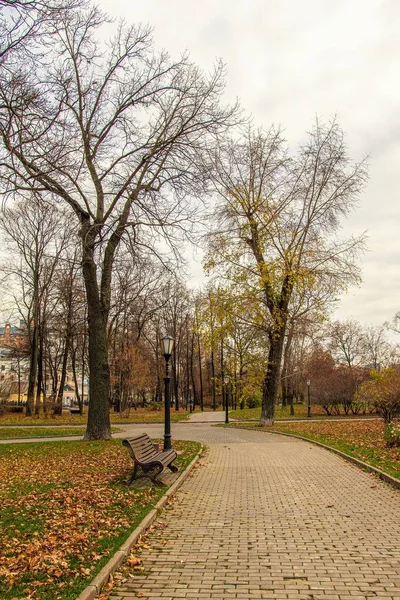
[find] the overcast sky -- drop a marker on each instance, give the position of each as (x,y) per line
(289,61)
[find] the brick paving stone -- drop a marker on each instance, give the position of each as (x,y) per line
(266,516)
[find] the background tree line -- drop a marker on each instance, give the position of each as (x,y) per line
(113,155)
(221,338)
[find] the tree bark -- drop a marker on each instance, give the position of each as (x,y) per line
(40,387)
(271,380)
(286,381)
(214,395)
(98,426)
(32,372)
(200,374)
(60,392)
(78,396)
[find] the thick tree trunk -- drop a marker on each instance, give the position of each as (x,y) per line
(39,388)
(200,374)
(222,365)
(32,372)
(19,381)
(240,382)
(98,425)
(214,394)
(286,382)
(279,314)
(271,380)
(192,381)
(60,392)
(78,396)
(176,378)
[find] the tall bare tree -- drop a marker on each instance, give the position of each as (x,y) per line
(25,23)
(346,342)
(277,222)
(379,352)
(36,230)
(115,131)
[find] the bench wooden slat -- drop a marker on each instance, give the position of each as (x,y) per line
(148,458)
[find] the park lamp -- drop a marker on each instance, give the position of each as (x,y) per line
(168,344)
(226,383)
(308,399)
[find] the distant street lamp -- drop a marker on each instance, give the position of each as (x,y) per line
(308,399)
(190,400)
(168,344)
(226,382)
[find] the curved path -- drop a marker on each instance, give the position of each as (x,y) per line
(267,516)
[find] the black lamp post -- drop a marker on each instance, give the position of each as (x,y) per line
(226,381)
(308,399)
(190,400)
(168,344)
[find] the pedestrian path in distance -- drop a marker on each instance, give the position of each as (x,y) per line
(267,516)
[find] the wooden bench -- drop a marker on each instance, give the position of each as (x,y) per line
(148,458)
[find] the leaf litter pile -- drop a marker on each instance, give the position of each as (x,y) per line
(64,509)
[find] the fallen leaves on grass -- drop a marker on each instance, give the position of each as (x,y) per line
(7,433)
(61,504)
(68,505)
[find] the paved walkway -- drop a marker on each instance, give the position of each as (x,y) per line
(266,516)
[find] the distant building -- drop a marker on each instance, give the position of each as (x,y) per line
(10,335)
(14,369)
(14,361)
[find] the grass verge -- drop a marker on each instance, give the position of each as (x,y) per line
(64,511)
(8,433)
(361,439)
(300,412)
(140,415)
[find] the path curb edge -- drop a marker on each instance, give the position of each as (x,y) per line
(381,474)
(94,588)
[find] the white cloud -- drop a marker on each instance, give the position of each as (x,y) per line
(289,61)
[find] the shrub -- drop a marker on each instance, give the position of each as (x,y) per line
(382,391)
(392,434)
(254,401)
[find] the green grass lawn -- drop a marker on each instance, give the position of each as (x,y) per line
(64,511)
(362,439)
(8,433)
(140,415)
(300,412)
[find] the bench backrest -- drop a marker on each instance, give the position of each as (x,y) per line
(142,447)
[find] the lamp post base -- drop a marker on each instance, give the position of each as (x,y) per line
(167,414)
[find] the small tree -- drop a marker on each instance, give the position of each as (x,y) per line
(382,390)
(344,383)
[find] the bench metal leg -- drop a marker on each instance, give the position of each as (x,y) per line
(154,477)
(133,476)
(152,473)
